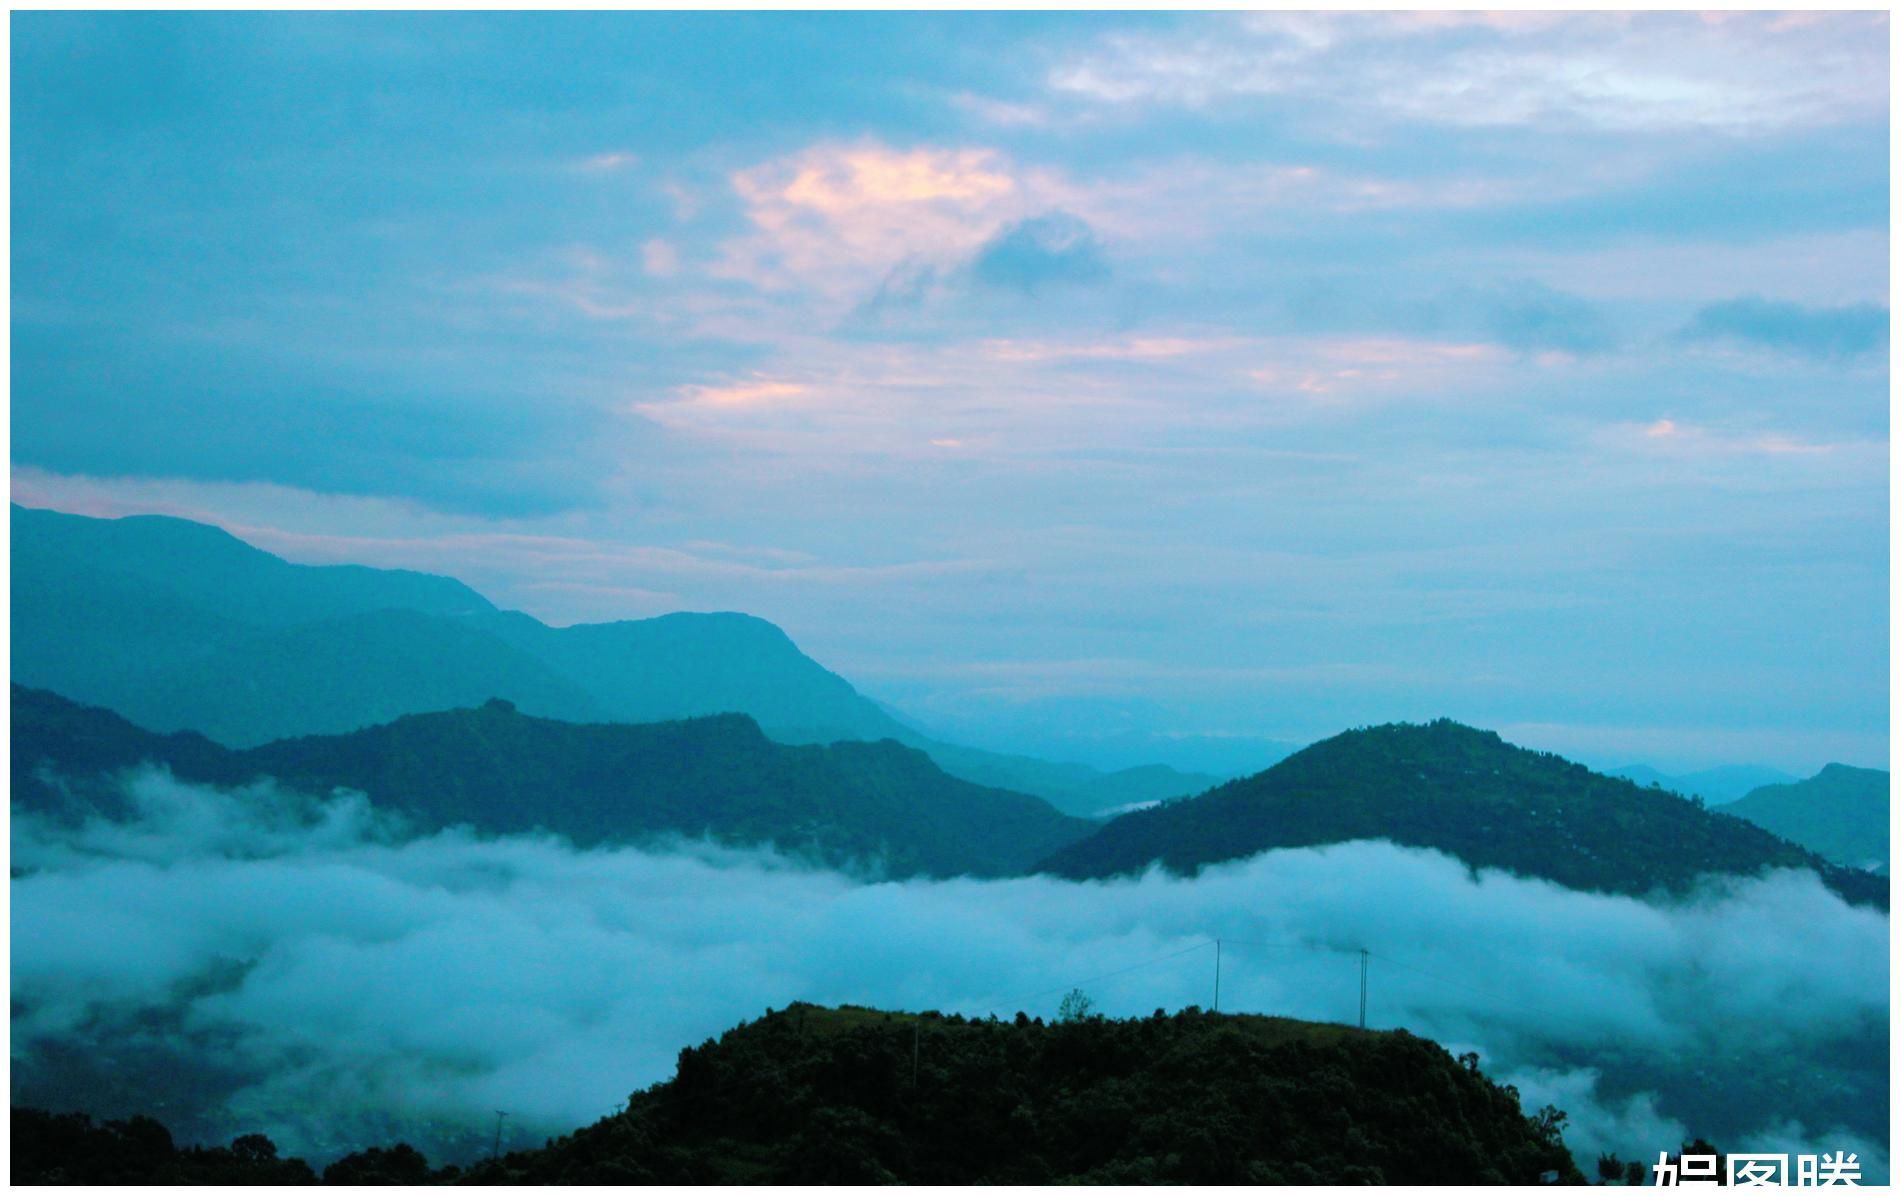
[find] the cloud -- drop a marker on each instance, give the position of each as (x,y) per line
(608,162)
(337,975)
(758,390)
(1673,436)
(1620,72)
(826,217)
(1825,333)
(455,430)
(1002,113)
(660,257)
(1530,316)
(1053,249)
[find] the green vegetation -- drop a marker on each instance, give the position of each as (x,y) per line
(811,1095)
(1464,792)
(1840,812)
(70,1148)
(872,805)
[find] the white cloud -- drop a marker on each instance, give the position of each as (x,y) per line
(1628,72)
(834,218)
(448,976)
(608,162)
(661,258)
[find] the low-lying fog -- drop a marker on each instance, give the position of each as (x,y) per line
(334,983)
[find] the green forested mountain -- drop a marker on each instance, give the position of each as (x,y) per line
(879,806)
(1840,812)
(827,1096)
(856,1096)
(182,626)
(1461,791)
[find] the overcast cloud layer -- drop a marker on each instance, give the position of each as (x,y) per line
(342,984)
(1066,380)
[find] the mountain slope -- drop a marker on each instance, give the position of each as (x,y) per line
(1841,812)
(209,568)
(181,625)
(682,665)
(1072,788)
(338,675)
(875,805)
(1461,791)
(827,1096)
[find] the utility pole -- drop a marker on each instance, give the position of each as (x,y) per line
(916,1047)
(499,1118)
(1362,987)
(1216,975)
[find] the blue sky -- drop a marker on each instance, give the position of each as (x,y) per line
(1115,386)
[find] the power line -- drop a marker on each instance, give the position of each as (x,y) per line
(1488,994)
(1363,954)
(1222,942)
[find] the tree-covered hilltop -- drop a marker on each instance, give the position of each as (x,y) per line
(813,1095)
(1465,792)
(1841,812)
(871,805)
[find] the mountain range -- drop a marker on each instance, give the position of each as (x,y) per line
(1465,792)
(226,663)
(1840,812)
(887,807)
(181,626)
(868,807)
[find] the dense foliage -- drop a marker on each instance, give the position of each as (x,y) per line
(812,1095)
(874,805)
(70,1148)
(1840,812)
(1465,792)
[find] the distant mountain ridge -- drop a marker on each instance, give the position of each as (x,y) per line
(181,626)
(1714,786)
(1841,812)
(877,806)
(1465,792)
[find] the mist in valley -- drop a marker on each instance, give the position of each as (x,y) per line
(306,968)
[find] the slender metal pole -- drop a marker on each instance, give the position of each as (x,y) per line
(1216,975)
(1362,988)
(499,1118)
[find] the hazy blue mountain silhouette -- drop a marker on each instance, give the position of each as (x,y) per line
(1715,786)
(1840,812)
(1465,792)
(182,626)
